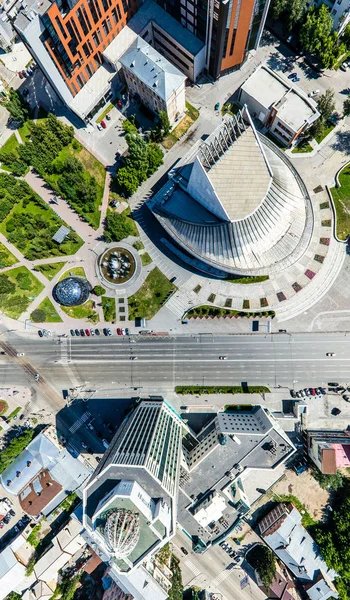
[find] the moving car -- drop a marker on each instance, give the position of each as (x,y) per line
(330,353)
(184,550)
(222,357)
(333,384)
(36,376)
(313,93)
(20,353)
(133,358)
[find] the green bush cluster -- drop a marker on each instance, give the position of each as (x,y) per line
(15,447)
(263,560)
(17,107)
(222,389)
(215,311)
(117,227)
(143,159)
(176,590)
(33,539)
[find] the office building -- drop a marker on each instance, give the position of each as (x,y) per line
(234,204)
(130,504)
(280,105)
(229,28)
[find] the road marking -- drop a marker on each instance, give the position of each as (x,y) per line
(220,578)
(80,422)
(192,568)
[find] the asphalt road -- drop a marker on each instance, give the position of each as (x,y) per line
(104,364)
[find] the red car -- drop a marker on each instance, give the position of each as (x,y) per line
(87,331)
(103,124)
(21,76)
(119,331)
(119,104)
(313,392)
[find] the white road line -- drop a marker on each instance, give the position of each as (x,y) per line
(220,578)
(192,568)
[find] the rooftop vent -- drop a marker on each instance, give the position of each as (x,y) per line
(132,64)
(155,84)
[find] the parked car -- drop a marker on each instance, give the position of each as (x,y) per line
(307,391)
(123,331)
(87,332)
(99,127)
(82,333)
(313,391)
(335,411)
(296,79)
(332,384)
(109,331)
(108,117)
(346,398)
(292,75)
(97,332)
(77,332)
(293,393)
(20,353)
(20,75)
(72,332)
(119,331)
(105,331)
(322,390)
(217,106)
(184,550)
(92,332)
(103,124)
(40,333)
(313,93)
(127,331)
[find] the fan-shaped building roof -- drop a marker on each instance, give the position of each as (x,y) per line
(236,202)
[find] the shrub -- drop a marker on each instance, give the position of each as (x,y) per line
(263,560)
(98,290)
(117,227)
(38,316)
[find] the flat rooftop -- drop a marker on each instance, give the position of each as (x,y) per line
(269,89)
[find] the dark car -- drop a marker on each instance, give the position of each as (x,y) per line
(103,124)
(335,411)
(332,384)
(184,550)
(12,512)
(77,332)
(293,393)
(72,332)
(292,75)
(127,331)
(40,333)
(21,417)
(108,117)
(82,333)
(105,332)
(322,390)
(97,332)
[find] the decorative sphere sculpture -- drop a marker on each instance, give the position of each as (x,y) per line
(122,531)
(71,291)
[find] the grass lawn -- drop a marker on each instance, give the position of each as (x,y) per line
(341,198)
(96,169)
(145,259)
(7,259)
(151,295)
(127,213)
(51,315)
(30,227)
(222,389)
(73,272)
(85,311)
(257,279)
(50,269)
(9,147)
(24,131)
(109,311)
(106,111)
(324,133)
(302,148)
(14,413)
(191,115)
(27,289)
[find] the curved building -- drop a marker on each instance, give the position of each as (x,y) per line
(71,291)
(235,204)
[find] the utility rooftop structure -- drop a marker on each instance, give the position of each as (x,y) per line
(235,204)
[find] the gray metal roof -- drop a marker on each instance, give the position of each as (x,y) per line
(152,69)
(60,234)
(246,422)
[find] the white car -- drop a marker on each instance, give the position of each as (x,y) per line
(123,331)
(92,331)
(20,353)
(99,127)
(222,357)
(133,358)
(314,93)
(330,354)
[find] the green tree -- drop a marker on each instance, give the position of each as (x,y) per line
(176,590)
(155,157)
(99,290)
(326,104)
(117,227)
(17,107)
(127,179)
(128,126)
(326,482)
(317,27)
(346,107)
(6,286)
(263,560)
(38,316)
(164,123)
(296,9)
(138,155)
(317,128)
(278,7)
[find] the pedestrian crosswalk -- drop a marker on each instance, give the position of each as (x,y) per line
(80,422)
(220,578)
(192,568)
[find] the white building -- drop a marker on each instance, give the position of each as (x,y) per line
(278,104)
(340,12)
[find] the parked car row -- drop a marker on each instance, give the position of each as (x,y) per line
(230,551)
(7,518)
(92,332)
(294,77)
(308,392)
(27,72)
(44,333)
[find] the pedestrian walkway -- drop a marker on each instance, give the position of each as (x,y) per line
(192,568)
(80,422)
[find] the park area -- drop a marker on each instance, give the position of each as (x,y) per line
(152,294)
(18,289)
(29,223)
(49,147)
(341,199)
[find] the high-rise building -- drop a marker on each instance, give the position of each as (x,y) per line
(130,504)
(229,28)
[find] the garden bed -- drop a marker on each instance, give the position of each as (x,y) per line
(109,310)
(222,389)
(215,311)
(341,199)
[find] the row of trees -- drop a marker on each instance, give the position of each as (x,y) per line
(17,107)
(314,27)
(143,159)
